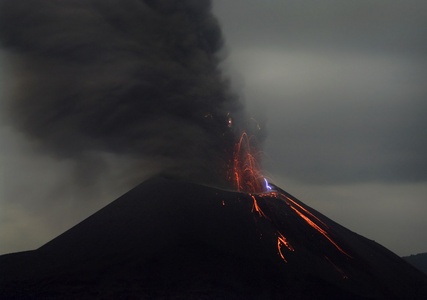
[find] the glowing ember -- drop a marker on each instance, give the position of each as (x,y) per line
(247,177)
(245,170)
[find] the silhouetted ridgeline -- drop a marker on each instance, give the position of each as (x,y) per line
(167,239)
(419,261)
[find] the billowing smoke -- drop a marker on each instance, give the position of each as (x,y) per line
(132,78)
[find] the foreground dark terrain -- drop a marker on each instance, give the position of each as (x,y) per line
(167,239)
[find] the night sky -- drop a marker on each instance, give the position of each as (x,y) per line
(337,86)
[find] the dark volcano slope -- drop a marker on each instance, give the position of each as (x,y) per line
(171,240)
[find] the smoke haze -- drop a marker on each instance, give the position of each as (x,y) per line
(137,79)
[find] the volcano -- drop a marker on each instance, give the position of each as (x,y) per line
(167,239)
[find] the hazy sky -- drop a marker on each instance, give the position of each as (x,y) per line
(338,85)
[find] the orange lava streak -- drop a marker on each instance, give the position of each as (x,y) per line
(246,173)
(255,207)
(295,206)
(323,232)
(306,211)
(281,240)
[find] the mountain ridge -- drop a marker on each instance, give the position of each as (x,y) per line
(418,260)
(172,239)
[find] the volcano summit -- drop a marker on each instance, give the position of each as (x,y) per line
(167,239)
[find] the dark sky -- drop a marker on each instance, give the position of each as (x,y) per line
(339,87)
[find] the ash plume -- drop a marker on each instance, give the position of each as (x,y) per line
(133,78)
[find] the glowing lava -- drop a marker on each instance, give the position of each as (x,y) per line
(245,169)
(247,177)
(281,240)
(256,208)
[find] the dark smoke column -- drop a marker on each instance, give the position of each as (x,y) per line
(135,78)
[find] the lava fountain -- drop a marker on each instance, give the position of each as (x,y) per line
(245,171)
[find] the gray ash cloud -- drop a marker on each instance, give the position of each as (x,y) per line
(136,78)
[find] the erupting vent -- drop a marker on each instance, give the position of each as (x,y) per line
(247,177)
